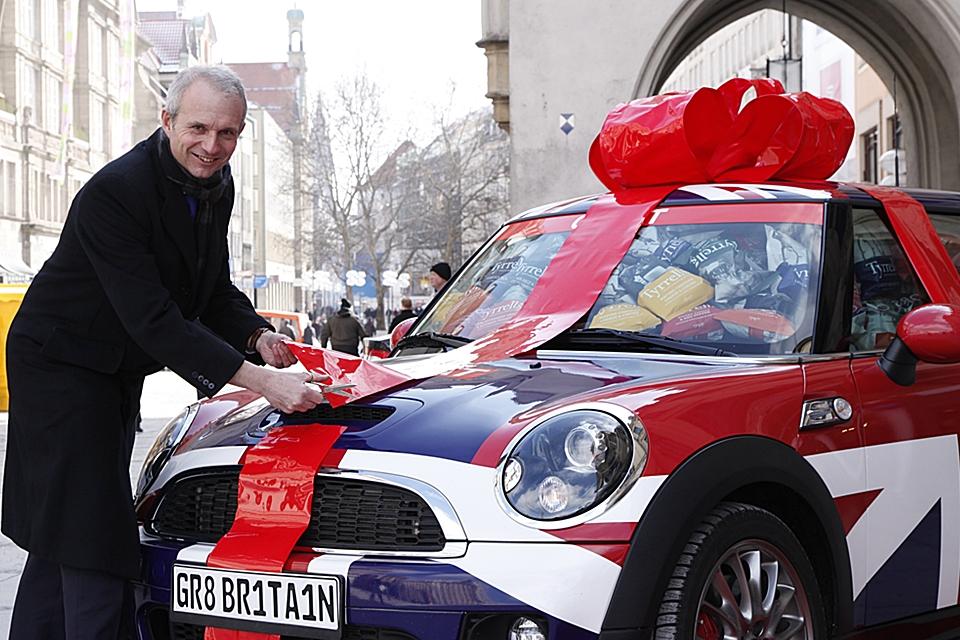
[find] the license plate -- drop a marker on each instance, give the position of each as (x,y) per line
(304,605)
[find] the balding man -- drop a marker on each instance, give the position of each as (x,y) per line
(138,281)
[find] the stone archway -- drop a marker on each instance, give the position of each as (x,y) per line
(920,47)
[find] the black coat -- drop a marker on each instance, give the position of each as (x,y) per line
(405,314)
(126,292)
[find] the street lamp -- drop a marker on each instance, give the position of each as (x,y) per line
(787,69)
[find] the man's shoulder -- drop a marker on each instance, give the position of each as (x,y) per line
(136,167)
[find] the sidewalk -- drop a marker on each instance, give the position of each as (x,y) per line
(164,395)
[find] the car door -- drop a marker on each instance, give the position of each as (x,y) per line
(912,562)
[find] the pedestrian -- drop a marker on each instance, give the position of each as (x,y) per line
(406,312)
(287,329)
(138,281)
(438,276)
(308,334)
(343,331)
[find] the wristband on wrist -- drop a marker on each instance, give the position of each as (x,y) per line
(254,337)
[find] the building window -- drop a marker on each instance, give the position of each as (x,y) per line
(96,124)
(29,18)
(869,145)
(51,104)
(96,48)
(53,24)
(895,131)
(9,185)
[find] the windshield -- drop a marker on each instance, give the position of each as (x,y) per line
(491,290)
(741,278)
(746,284)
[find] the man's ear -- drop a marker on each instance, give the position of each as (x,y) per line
(166,120)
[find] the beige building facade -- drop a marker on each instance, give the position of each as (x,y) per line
(67,98)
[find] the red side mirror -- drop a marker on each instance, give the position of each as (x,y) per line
(400,331)
(932,333)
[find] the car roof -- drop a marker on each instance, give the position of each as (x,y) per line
(699,194)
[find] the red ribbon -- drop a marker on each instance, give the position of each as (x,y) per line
(273,505)
(745,130)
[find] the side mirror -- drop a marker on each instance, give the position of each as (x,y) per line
(400,331)
(930,333)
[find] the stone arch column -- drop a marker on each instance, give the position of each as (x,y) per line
(919,46)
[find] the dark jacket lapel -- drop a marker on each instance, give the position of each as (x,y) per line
(175,217)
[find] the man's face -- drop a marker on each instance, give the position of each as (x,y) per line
(435,281)
(205,131)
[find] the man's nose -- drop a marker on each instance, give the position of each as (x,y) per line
(210,142)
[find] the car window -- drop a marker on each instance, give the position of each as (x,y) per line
(494,286)
(885,286)
(948,228)
(748,287)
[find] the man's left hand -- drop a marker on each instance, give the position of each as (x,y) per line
(273,349)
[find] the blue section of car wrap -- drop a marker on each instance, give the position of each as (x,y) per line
(908,583)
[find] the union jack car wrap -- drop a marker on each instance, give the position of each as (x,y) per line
(837,484)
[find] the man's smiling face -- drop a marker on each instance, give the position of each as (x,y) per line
(204,133)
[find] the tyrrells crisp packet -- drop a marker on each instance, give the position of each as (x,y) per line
(700,322)
(675,292)
(625,317)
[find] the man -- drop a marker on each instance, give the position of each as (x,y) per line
(438,276)
(138,281)
(343,331)
(406,312)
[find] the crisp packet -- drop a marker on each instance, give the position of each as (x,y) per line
(635,277)
(756,324)
(700,323)
(625,317)
(675,292)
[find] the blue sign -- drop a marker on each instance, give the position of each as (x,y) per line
(259,282)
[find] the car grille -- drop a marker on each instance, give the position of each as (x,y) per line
(346,514)
(325,414)
(192,632)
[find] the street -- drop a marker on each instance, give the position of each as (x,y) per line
(164,394)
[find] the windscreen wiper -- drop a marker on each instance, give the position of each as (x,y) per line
(600,336)
(430,338)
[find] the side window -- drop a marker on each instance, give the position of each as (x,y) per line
(884,284)
(948,228)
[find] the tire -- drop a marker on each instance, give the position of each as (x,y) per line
(704,599)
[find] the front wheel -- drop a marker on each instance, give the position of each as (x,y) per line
(743,575)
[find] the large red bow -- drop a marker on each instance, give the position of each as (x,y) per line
(746,130)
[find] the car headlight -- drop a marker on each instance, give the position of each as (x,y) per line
(572,463)
(163,448)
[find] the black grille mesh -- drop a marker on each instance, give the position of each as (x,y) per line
(324,413)
(192,632)
(346,514)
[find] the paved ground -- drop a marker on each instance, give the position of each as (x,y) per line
(164,395)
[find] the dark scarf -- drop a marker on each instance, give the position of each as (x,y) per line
(207,191)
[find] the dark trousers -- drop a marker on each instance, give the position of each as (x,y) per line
(55,602)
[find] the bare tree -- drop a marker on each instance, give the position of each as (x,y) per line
(357,197)
(465,172)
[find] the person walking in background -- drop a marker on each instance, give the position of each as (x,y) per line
(438,276)
(287,329)
(343,331)
(308,334)
(406,312)
(139,280)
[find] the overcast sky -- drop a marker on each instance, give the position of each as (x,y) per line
(414,49)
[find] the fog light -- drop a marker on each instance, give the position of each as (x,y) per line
(526,629)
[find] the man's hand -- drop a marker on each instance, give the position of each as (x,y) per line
(292,391)
(288,391)
(273,349)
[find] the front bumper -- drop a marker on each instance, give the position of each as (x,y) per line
(473,597)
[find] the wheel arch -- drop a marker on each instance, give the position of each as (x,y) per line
(750,469)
